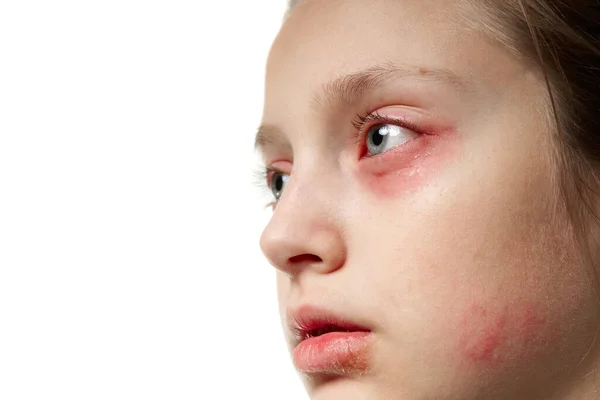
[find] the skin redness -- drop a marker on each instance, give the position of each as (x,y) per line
(490,336)
(421,252)
(424,146)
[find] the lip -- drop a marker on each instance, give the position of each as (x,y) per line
(342,351)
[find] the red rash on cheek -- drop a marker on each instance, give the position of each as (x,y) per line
(483,333)
(489,336)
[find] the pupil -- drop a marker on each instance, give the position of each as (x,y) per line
(279,183)
(377,139)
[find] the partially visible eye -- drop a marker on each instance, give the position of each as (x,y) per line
(385,136)
(278,180)
(271,181)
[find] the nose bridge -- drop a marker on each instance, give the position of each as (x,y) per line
(311,189)
(305,229)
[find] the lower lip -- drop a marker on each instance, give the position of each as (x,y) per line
(336,353)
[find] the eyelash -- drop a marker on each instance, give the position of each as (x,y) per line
(362,123)
(261,180)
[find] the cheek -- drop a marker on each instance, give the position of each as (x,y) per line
(480,282)
(492,336)
(510,300)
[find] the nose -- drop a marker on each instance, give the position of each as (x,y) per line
(304,232)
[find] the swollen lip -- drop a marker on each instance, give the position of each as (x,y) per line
(334,353)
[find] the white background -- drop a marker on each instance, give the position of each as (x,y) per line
(129,222)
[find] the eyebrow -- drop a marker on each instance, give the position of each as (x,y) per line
(349,89)
(269,136)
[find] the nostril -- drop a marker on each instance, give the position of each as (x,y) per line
(305,258)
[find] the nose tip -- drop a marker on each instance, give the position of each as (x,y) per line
(305,230)
(294,251)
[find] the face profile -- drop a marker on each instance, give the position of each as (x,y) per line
(422,247)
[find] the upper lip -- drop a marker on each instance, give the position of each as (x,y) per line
(304,320)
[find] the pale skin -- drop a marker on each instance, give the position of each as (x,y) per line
(452,244)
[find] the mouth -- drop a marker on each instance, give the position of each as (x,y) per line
(320,328)
(325,343)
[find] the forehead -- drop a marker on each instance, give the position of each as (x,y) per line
(326,40)
(322,39)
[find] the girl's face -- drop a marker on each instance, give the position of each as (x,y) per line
(421,209)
